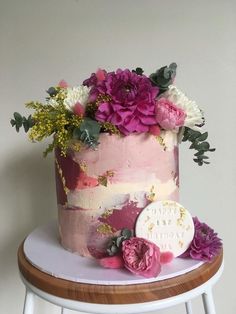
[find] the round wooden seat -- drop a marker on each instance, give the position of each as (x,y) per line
(117,294)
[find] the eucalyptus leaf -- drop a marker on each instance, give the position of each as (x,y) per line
(119,240)
(204,146)
(25,125)
(194,136)
(76,134)
(13,122)
(203,136)
(17,116)
(30,121)
(138,71)
(192,146)
(126,233)
(199,153)
(114,249)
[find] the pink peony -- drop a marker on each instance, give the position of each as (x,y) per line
(205,244)
(141,257)
(168,115)
(129,100)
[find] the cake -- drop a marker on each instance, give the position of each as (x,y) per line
(116,141)
(137,170)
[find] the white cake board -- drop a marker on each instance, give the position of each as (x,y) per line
(43,250)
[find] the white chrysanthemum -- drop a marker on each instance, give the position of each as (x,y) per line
(76,94)
(194,115)
(52,102)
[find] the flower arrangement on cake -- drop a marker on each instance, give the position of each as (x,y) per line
(121,102)
(116,162)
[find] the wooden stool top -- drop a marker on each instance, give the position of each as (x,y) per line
(114,294)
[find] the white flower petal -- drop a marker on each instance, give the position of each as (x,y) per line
(76,94)
(52,102)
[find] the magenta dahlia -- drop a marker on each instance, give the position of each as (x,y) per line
(205,244)
(129,103)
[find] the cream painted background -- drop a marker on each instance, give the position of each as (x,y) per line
(44,41)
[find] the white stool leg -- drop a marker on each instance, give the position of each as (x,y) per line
(188,307)
(63,310)
(29,302)
(208,302)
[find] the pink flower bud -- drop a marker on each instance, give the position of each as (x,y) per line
(63,84)
(112,262)
(166,257)
(155,130)
(101,75)
(78,109)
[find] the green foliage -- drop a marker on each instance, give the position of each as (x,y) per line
(52,91)
(138,71)
(164,76)
(88,132)
(20,121)
(115,242)
(198,142)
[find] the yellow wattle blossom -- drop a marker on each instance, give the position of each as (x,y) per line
(49,120)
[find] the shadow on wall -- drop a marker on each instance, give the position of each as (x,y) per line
(28,200)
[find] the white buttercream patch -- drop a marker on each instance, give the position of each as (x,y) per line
(115,195)
(169,140)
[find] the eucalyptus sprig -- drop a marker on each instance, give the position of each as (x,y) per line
(88,132)
(115,242)
(164,76)
(198,142)
(20,121)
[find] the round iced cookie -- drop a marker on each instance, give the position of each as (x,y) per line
(168,224)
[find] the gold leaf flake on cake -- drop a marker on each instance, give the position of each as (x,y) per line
(83,165)
(105,229)
(103,179)
(63,180)
(152,195)
(161,142)
(107,213)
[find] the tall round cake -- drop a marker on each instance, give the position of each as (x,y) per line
(116,138)
(102,192)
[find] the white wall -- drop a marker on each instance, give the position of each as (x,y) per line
(45,41)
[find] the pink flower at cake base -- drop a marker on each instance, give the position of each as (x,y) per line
(168,115)
(205,245)
(141,257)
